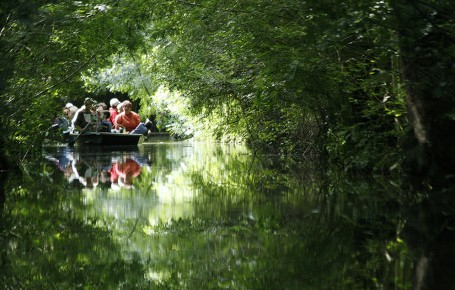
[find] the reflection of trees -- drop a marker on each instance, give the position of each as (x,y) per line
(278,231)
(430,234)
(47,246)
(212,225)
(197,220)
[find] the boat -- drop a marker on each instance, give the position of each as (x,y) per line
(104,139)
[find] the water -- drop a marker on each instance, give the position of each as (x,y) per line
(209,216)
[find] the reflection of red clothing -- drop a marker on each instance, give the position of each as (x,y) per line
(129,168)
(129,121)
(113,173)
(126,171)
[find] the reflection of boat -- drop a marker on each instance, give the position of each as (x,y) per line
(105,139)
(100,167)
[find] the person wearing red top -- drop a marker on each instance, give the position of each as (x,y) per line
(130,121)
(113,112)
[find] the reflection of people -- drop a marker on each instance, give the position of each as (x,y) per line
(113,173)
(86,173)
(95,170)
(63,162)
(126,171)
(130,120)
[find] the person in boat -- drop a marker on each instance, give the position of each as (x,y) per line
(68,114)
(103,118)
(60,122)
(113,111)
(70,110)
(130,121)
(85,120)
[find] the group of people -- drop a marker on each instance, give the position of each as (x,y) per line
(97,117)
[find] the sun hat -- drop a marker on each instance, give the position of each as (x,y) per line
(68,105)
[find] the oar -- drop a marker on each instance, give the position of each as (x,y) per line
(71,143)
(51,127)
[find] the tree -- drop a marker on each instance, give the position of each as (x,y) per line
(290,73)
(427,46)
(47,45)
(283,75)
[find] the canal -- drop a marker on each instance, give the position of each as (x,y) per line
(178,215)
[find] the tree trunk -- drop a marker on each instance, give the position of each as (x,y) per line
(427,43)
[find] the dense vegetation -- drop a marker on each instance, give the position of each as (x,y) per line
(289,77)
(204,216)
(366,86)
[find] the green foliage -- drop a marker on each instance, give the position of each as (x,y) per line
(289,77)
(46,46)
(427,48)
(366,116)
(370,140)
(46,245)
(288,71)
(207,216)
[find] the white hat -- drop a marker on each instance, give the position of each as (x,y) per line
(114,102)
(68,105)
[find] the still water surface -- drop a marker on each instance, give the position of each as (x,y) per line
(201,216)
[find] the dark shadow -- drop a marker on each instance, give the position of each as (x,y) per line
(430,235)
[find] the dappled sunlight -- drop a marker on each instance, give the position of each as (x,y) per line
(344,179)
(209,214)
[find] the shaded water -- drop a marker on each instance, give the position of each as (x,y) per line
(206,216)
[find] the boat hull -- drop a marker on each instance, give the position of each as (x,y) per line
(106,139)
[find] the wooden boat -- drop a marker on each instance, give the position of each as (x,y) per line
(104,139)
